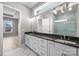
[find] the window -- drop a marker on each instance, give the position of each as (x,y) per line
(8,26)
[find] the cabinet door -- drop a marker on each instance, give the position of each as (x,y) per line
(58,52)
(51,48)
(27,40)
(31,41)
(43,47)
(70,49)
(65,49)
(58,49)
(35,44)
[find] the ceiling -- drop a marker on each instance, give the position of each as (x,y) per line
(30,4)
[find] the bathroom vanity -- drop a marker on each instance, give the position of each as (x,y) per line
(52,45)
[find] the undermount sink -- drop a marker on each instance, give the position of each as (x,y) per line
(64,41)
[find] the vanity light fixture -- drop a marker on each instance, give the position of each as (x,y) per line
(71,5)
(61,8)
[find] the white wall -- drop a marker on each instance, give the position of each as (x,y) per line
(24,23)
(1,29)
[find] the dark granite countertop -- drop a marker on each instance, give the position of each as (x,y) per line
(71,41)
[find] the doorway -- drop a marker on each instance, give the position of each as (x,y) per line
(10,29)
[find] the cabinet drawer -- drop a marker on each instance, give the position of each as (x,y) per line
(58,52)
(66,48)
(35,40)
(59,46)
(43,46)
(35,48)
(51,48)
(70,49)
(43,53)
(51,42)
(44,50)
(42,42)
(66,53)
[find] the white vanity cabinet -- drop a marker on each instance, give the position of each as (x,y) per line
(58,49)
(35,44)
(51,48)
(45,47)
(42,47)
(27,40)
(69,50)
(30,41)
(65,50)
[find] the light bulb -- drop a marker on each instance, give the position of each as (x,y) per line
(54,11)
(61,8)
(70,8)
(62,11)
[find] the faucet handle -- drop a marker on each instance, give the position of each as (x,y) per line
(64,37)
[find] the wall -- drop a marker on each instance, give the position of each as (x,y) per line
(25,15)
(38,22)
(77,14)
(8,10)
(1,29)
(15,27)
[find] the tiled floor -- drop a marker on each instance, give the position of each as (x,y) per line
(12,48)
(19,52)
(10,43)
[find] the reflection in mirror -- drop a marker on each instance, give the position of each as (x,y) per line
(66,23)
(8,26)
